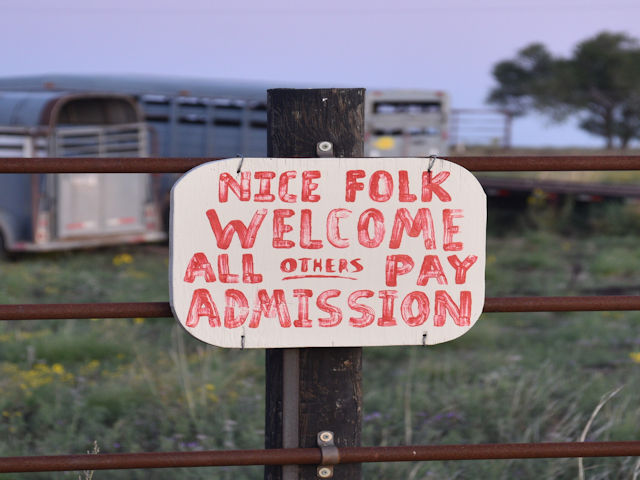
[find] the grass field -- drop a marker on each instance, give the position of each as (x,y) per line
(137,385)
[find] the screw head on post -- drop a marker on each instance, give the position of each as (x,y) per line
(325,472)
(324,149)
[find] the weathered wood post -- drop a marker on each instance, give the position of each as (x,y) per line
(314,389)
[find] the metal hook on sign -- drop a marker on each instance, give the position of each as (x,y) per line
(240,165)
(432,160)
(424,339)
(242,342)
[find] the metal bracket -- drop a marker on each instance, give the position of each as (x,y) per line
(330,454)
(324,149)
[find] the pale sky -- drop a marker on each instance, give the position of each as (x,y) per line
(438,44)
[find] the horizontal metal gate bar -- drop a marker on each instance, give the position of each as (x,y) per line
(311,456)
(56,311)
(177,165)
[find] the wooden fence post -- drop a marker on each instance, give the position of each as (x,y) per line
(313,389)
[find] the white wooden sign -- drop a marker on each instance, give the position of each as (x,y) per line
(283,252)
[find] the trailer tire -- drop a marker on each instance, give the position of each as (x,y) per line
(5,254)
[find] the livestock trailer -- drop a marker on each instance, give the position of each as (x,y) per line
(225,118)
(186,117)
(41,212)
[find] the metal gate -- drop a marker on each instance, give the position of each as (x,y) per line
(315,455)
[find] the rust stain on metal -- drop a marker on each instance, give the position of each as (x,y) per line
(313,456)
(563,304)
(489,451)
(85,310)
(100,165)
(57,311)
(178,165)
(160,460)
(520,163)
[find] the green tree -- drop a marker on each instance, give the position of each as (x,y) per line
(600,84)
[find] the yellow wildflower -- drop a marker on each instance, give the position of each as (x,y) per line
(635,357)
(121,259)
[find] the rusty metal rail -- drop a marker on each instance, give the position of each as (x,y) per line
(56,311)
(100,165)
(313,456)
(511,163)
